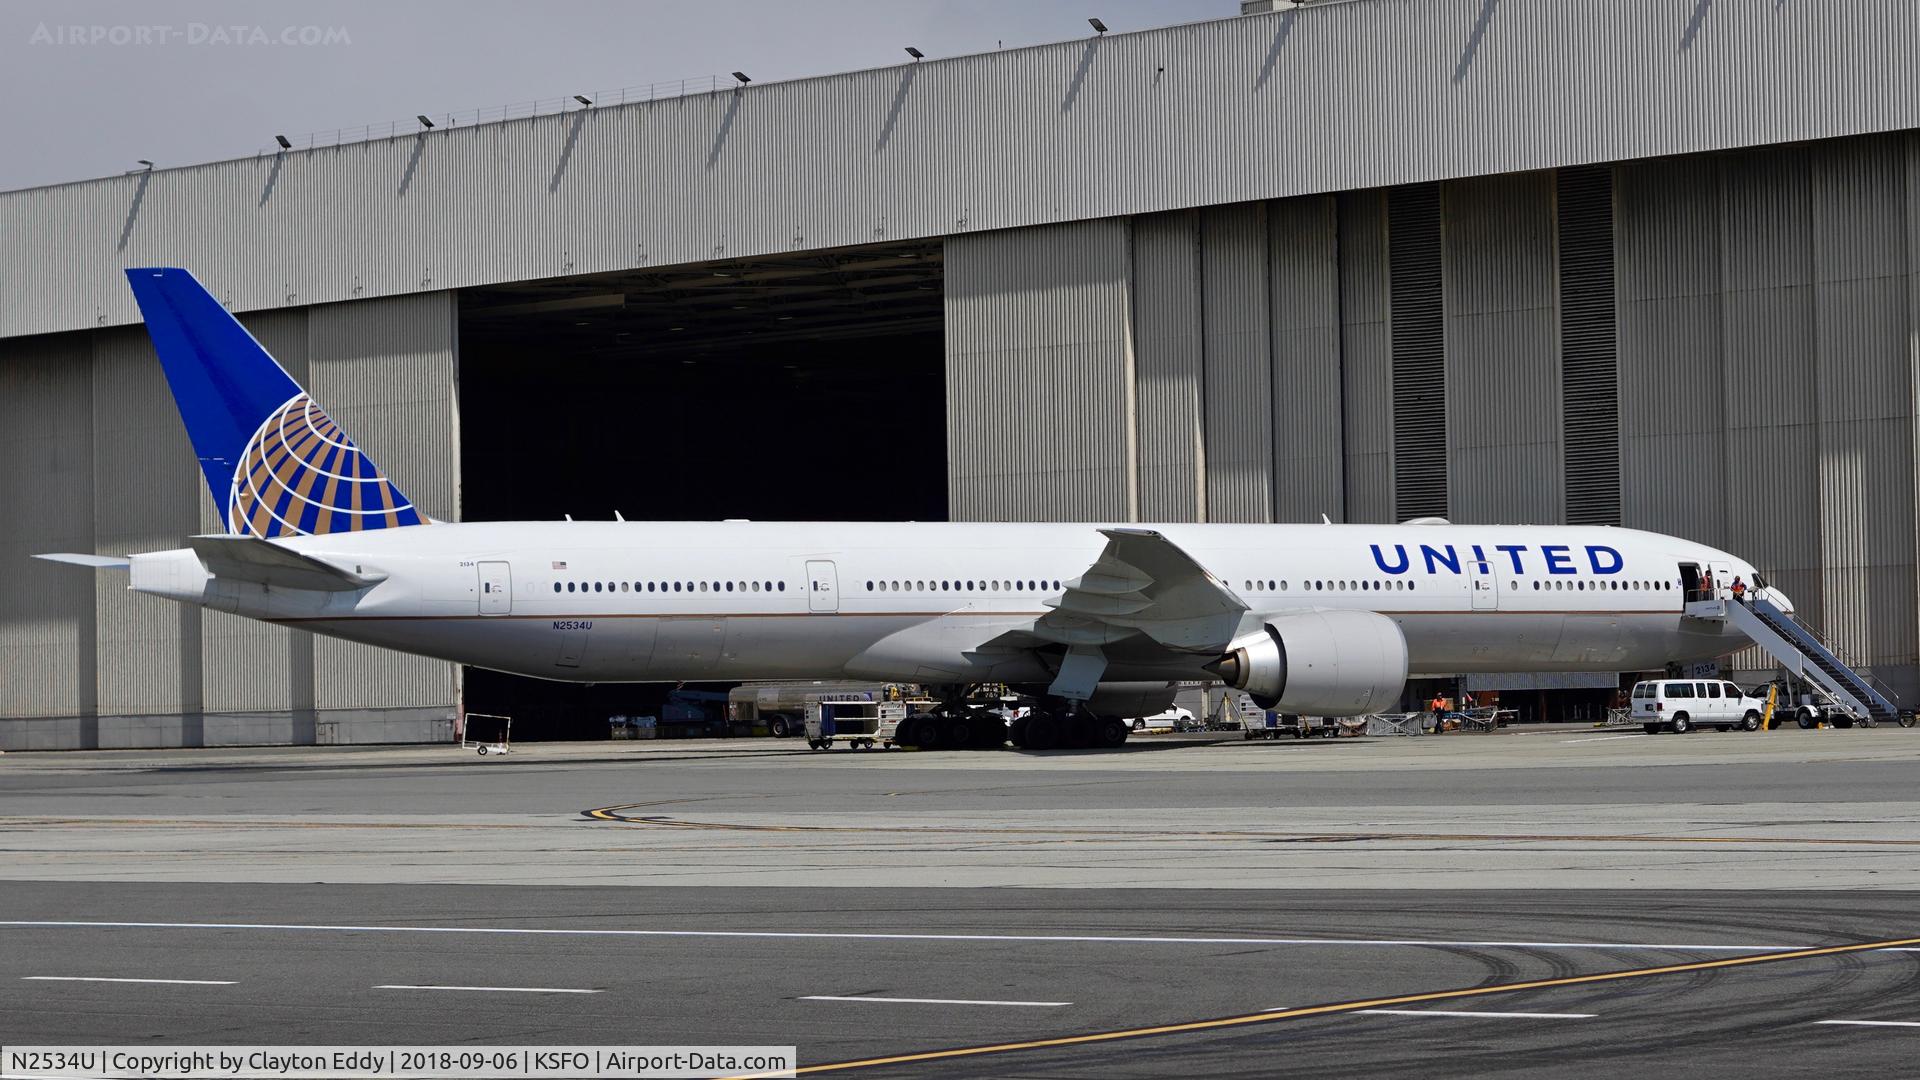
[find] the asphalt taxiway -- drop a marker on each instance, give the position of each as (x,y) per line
(1589,902)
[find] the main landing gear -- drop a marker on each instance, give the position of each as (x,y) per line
(1055,724)
(957,723)
(962,723)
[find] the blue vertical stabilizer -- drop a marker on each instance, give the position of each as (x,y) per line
(276,464)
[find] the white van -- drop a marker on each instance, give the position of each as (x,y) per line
(1681,705)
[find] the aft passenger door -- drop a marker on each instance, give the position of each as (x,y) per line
(823,587)
(1486,591)
(496,588)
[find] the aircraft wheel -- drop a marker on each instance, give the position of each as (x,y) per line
(959,733)
(1017,732)
(1751,722)
(930,735)
(1110,734)
(1043,732)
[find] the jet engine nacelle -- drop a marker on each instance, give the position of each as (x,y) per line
(1322,663)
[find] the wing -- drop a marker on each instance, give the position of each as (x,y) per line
(1142,586)
(251,558)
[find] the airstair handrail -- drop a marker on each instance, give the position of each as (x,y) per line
(1854,666)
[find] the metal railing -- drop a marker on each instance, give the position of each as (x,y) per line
(626,95)
(1852,663)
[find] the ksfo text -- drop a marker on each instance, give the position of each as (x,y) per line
(395,1062)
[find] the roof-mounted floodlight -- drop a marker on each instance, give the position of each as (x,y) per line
(742,76)
(284,143)
(424,122)
(582,99)
(1098,26)
(915,53)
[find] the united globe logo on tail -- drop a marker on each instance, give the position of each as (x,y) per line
(274,461)
(301,475)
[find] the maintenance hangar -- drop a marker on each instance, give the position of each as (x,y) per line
(1637,262)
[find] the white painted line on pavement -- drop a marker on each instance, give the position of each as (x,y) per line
(1606,738)
(1872,1023)
(830,935)
(491,989)
(88,978)
(1480,1015)
(936,1001)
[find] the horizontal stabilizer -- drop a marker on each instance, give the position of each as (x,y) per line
(250,558)
(97,562)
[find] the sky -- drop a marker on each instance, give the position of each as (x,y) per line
(95,85)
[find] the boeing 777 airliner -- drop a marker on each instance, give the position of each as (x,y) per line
(1093,620)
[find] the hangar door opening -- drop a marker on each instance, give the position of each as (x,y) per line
(800,387)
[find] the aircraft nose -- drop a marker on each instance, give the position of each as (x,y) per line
(1779,599)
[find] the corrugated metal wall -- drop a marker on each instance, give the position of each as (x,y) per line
(1863,378)
(146,497)
(384,370)
(1417,325)
(1668,266)
(46,611)
(1502,365)
(1186,116)
(1040,379)
(1303,249)
(1589,344)
(106,466)
(1238,362)
(1167,357)
(1366,353)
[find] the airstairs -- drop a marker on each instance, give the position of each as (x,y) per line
(1801,652)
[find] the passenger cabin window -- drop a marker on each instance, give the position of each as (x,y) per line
(1679,690)
(1713,689)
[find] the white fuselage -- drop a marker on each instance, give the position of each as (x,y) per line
(671,601)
